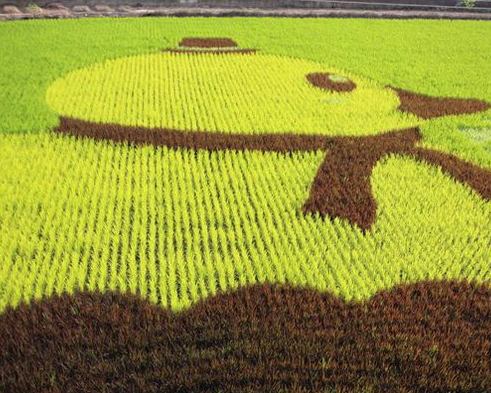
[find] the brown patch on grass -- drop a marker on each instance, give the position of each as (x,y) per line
(323,80)
(426,337)
(207,42)
(428,107)
(341,187)
(214,51)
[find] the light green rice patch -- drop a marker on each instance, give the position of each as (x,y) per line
(75,211)
(231,93)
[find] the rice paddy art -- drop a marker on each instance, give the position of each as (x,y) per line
(220,214)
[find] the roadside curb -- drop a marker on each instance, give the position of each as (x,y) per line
(127,11)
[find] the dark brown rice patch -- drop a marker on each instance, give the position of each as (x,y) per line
(428,107)
(342,185)
(425,337)
(207,42)
(323,80)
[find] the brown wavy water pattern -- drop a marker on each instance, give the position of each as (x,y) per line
(341,187)
(427,337)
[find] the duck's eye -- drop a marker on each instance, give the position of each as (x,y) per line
(331,82)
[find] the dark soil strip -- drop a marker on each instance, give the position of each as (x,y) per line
(198,42)
(214,51)
(341,187)
(323,81)
(428,107)
(427,337)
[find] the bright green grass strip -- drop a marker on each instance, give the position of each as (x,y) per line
(69,204)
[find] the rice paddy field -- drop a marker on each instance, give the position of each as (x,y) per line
(245,205)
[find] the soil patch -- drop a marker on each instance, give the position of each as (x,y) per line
(425,337)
